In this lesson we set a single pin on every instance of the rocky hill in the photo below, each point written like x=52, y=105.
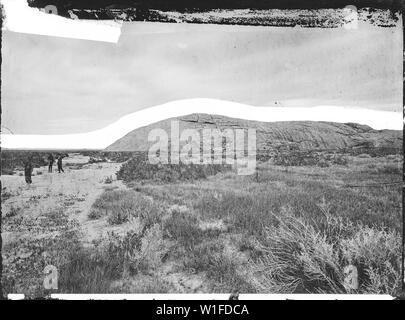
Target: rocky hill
x=299, y=135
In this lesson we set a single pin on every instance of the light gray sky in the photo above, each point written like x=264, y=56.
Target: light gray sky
x=54, y=85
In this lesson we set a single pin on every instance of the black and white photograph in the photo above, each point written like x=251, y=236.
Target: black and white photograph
x=201, y=147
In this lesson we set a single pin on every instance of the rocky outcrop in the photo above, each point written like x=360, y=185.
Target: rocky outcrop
x=302, y=135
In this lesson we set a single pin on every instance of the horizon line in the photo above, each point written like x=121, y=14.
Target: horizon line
x=102, y=138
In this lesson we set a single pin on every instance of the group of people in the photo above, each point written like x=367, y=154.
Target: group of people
x=29, y=167
x=51, y=160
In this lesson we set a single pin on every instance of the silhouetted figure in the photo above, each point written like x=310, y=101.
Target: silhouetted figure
x=60, y=164
x=51, y=160
x=28, y=168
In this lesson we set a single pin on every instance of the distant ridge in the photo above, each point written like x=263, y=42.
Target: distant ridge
x=234, y=112
x=305, y=135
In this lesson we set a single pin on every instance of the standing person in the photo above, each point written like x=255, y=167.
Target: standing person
x=28, y=168
x=60, y=163
x=51, y=160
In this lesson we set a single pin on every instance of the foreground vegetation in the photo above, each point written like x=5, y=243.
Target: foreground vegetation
x=291, y=229
x=288, y=229
x=139, y=168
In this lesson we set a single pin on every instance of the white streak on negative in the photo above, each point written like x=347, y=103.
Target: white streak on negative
x=19, y=17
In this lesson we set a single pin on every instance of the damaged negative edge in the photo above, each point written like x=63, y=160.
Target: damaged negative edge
x=19, y=17
x=254, y=13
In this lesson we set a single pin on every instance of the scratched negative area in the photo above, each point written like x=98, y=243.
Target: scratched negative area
x=253, y=13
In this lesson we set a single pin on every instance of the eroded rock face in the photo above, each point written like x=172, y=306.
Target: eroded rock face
x=270, y=136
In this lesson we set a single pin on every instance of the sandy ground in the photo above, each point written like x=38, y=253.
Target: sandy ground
x=73, y=191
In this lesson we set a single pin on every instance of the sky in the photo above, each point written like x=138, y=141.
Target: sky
x=102, y=138
x=55, y=85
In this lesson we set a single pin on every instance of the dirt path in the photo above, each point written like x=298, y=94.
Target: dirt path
x=72, y=192
x=56, y=202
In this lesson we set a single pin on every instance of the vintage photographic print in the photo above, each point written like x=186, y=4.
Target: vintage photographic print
x=201, y=147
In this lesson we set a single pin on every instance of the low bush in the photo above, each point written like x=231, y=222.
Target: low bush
x=88, y=272
x=96, y=160
x=13, y=211
x=93, y=269
x=309, y=158
x=376, y=253
x=299, y=257
x=12, y=160
x=209, y=257
x=7, y=171
x=394, y=168
x=139, y=168
x=182, y=225
x=122, y=205
x=244, y=212
x=108, y=180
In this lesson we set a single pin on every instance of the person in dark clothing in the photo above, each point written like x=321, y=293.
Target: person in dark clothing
x=60, y=164
x=28, y=168
x=51, y=160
